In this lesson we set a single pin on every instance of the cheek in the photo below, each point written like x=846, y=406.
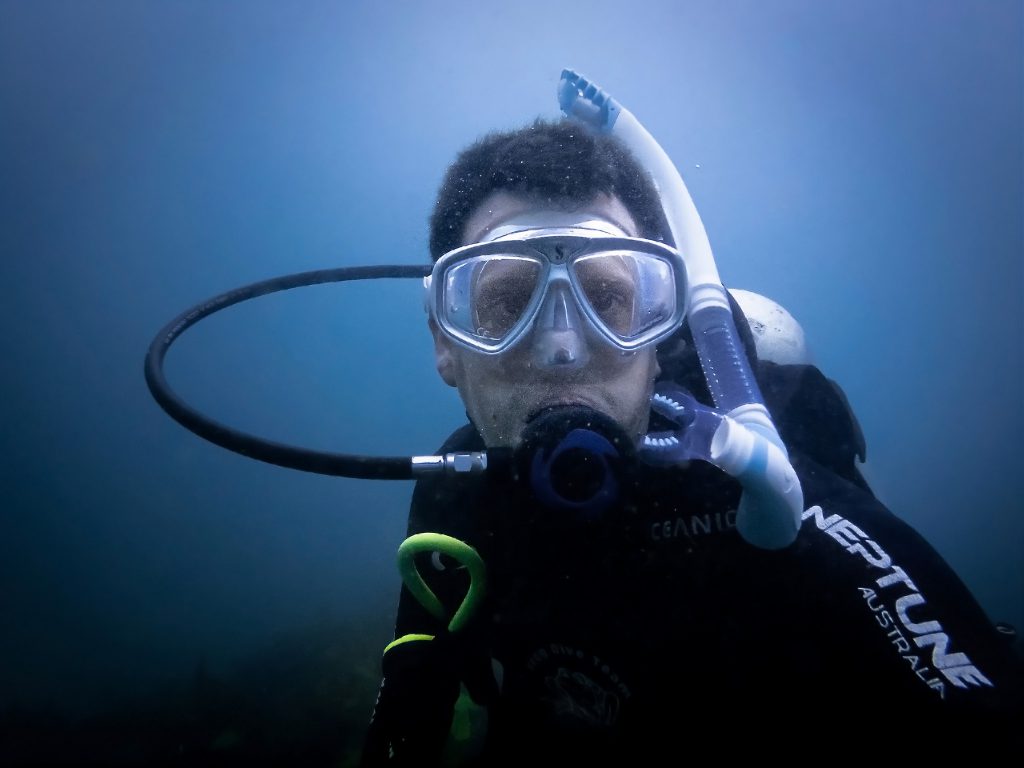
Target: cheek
x=635, y=383
x=482, y=386
x=636, y=370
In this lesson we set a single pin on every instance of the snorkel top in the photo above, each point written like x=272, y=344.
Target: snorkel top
x=746, y=443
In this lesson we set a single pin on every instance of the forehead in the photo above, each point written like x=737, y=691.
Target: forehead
x=500, y=207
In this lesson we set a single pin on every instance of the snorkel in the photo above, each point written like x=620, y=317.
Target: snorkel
x=742, y=439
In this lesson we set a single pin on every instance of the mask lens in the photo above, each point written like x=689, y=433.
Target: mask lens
x=487, y=296
x=630, y=292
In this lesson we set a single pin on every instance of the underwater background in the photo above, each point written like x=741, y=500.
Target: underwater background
x=862, y=163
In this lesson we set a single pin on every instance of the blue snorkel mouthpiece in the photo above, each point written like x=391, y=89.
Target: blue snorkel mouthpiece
x=745, y=443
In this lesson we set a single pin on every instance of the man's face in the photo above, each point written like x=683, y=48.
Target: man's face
x=502, y=392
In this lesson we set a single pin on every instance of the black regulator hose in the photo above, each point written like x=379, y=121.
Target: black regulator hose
x=324, y=463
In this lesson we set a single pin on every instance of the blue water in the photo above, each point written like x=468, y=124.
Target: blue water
x=861, y=163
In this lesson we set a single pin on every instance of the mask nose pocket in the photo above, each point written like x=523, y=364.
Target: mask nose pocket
x=558, y=337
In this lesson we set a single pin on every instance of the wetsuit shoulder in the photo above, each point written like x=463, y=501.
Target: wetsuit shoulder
x=814, y=417
x=895, y=608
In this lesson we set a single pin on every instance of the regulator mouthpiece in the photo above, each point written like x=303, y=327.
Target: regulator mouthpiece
x=574, y=458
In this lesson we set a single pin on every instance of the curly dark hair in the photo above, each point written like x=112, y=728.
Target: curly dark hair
x=553, y=162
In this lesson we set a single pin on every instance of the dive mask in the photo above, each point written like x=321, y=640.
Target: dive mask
x=572, y=282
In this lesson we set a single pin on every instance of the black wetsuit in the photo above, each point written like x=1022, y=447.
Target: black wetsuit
x=633, y=633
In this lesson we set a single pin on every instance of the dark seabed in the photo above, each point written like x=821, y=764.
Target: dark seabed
x=305, y=700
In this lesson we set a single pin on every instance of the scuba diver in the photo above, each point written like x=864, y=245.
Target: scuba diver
x=623, y=608
x=653, y=526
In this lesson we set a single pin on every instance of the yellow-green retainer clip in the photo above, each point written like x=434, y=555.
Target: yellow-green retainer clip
x=458, y=550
